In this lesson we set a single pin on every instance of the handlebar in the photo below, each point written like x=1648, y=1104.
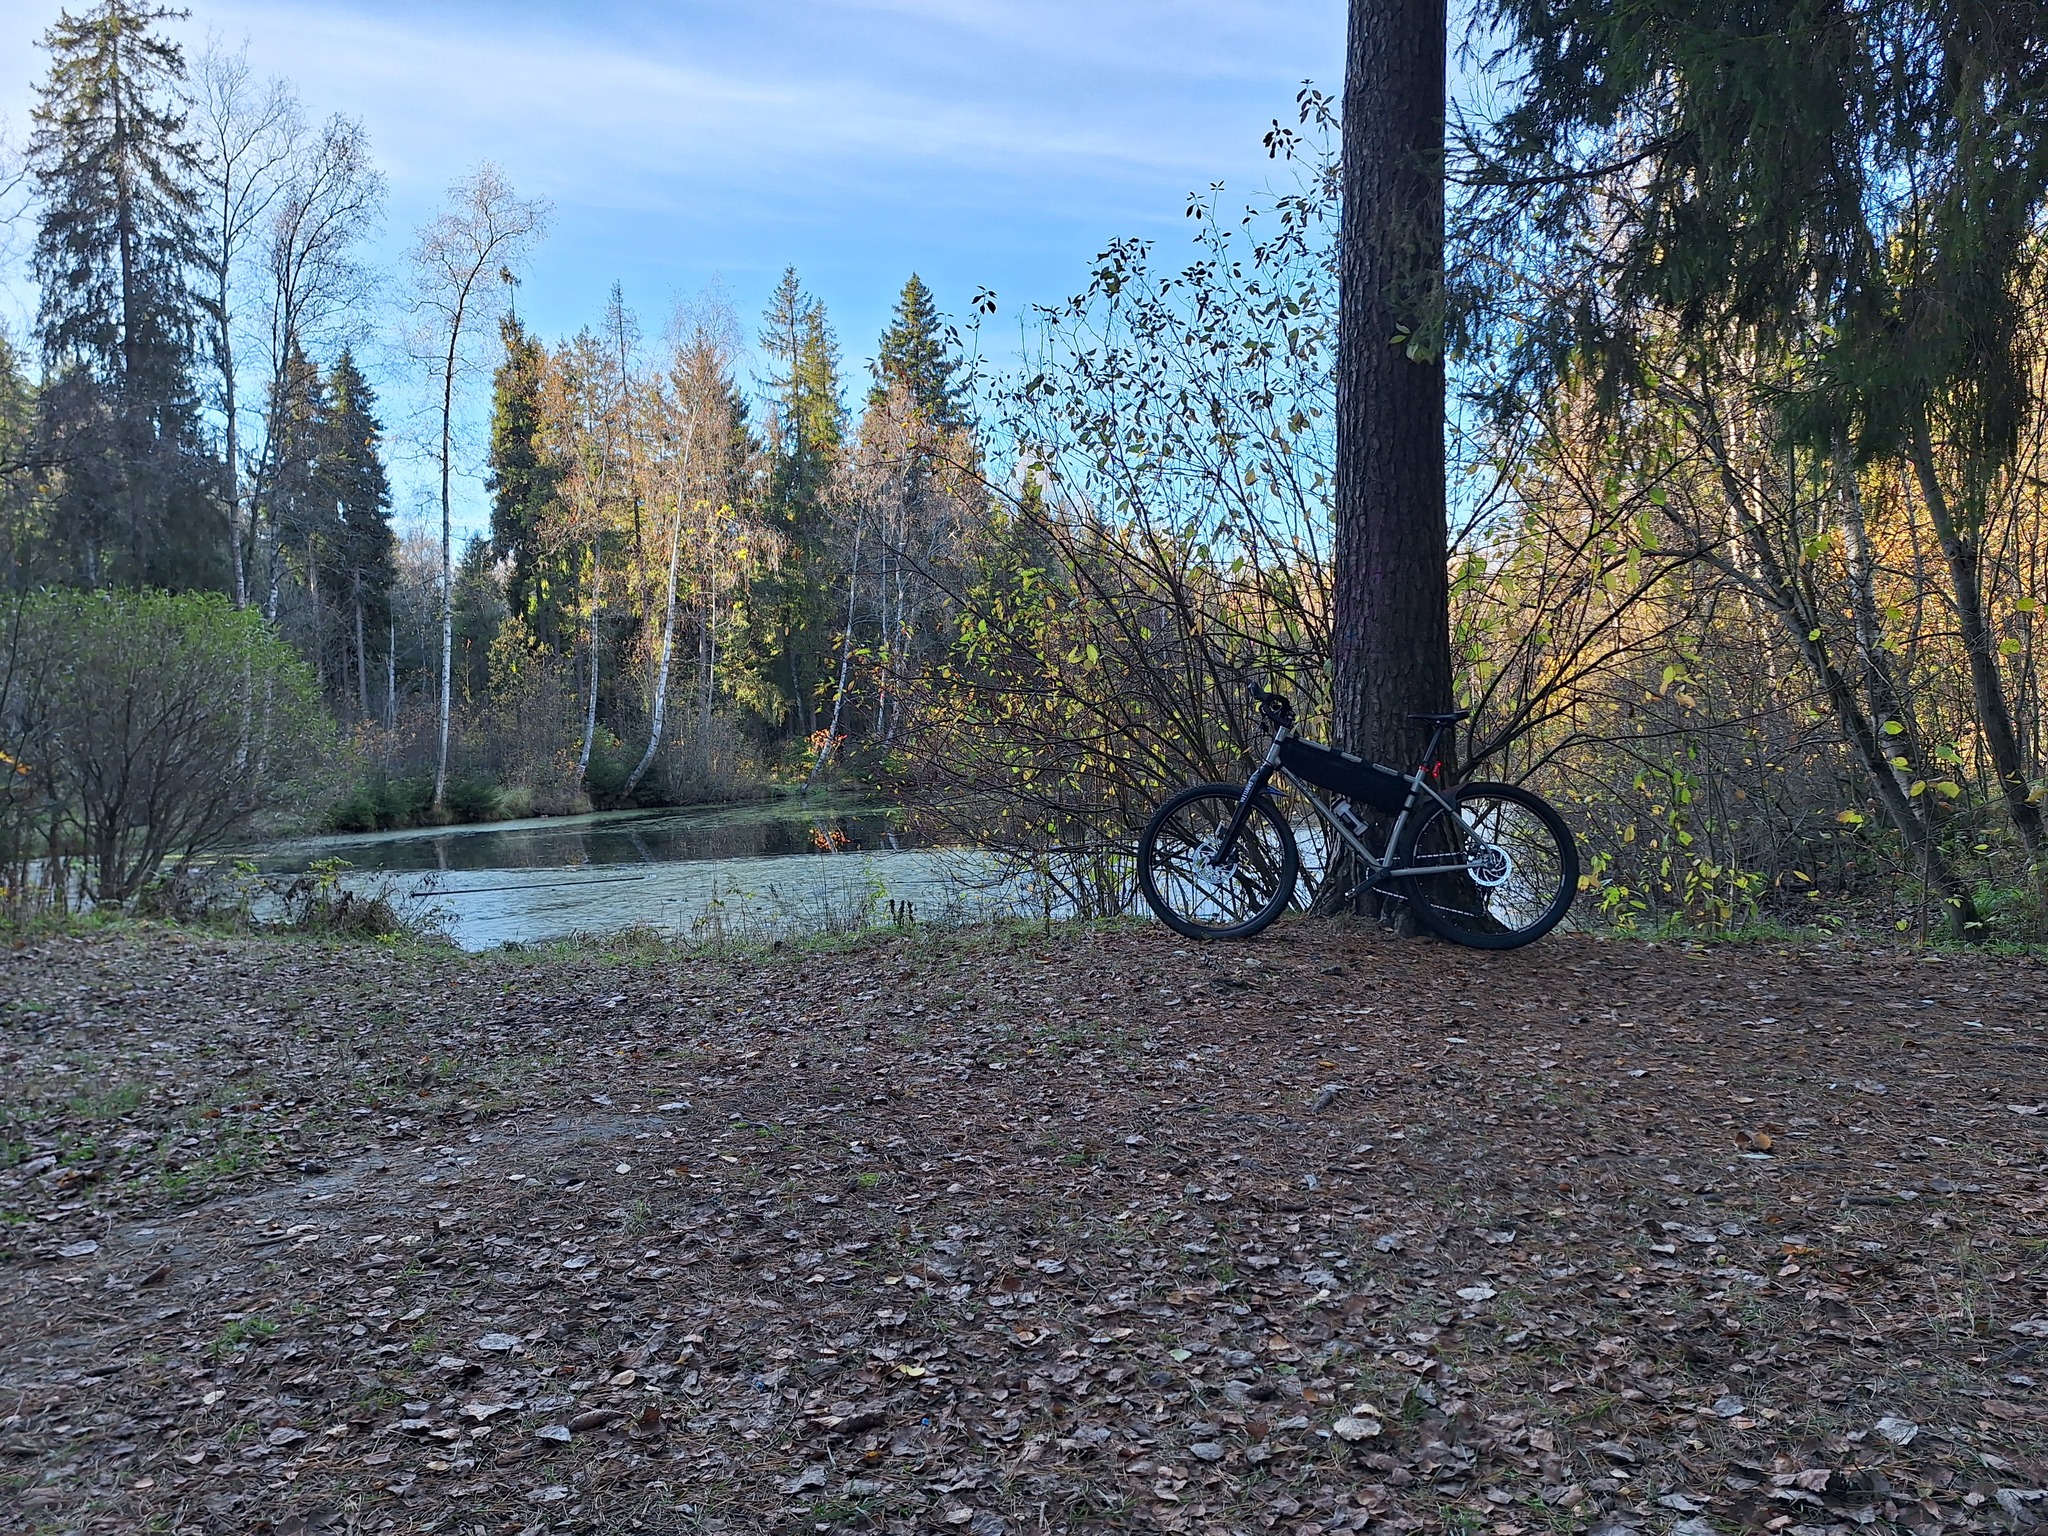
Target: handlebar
x=1276, y=710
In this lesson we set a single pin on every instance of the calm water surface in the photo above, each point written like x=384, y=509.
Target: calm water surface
x=727, y=871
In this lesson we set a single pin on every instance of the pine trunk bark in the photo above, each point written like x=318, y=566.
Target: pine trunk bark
x=1391, y=600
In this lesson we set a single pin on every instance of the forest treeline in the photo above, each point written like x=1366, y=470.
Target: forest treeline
x=1748, y=548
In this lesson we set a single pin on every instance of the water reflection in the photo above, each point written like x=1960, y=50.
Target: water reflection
x=620, y=837
x=728, y=872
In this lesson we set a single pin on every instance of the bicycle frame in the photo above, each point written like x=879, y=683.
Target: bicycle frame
x=1378, y=869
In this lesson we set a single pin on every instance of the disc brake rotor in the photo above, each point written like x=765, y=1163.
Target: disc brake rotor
x=1489, y=866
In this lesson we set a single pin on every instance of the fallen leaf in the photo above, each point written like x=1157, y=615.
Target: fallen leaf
x=813, y=1476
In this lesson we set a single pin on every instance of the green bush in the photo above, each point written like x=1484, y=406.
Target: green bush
x=611, y=761
x=358, y=813
x=146, y=727
x=471, y=800
x=404, y=802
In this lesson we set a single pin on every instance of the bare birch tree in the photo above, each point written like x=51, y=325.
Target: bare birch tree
x=674, y=467
x=249, y=134
x=330, y=201
x=456, y=261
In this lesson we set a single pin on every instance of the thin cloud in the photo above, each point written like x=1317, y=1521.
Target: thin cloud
x=996, y=142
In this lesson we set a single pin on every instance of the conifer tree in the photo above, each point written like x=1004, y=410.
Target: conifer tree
x=21, y=474
x=524, y=482
x=298, y=502
x=1861, y=188
x=789, y=629
x=352, y=470
x=114, y=248
x=920, y=352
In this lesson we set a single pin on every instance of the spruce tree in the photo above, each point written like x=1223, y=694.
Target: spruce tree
x=114, y=246
x=789, y=630
x=920, y=352
x=1862, y=192
x=21, y=474
x=352, y=472
x=298, y=504
x=523, y=483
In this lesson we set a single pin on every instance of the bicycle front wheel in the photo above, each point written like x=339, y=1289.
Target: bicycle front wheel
x=1190, y=891
x=1499, y=874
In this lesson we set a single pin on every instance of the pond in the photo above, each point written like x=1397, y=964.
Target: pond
x=744, y=872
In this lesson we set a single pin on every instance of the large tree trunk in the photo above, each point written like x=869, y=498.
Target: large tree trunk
x=1391, y=629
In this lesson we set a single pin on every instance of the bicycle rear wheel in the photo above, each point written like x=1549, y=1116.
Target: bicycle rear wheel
x=1498, y=875
x=1203, y=900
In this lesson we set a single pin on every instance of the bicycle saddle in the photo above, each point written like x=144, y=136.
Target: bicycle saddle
x=1451, y=717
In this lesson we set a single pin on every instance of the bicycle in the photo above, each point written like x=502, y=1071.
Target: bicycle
x=1490, y=866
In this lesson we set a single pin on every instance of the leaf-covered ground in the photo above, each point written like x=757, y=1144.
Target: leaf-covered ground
x=1091, y=1232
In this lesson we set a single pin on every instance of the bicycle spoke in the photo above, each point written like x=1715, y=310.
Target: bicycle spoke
x=1502, y=871
x=1194, y=883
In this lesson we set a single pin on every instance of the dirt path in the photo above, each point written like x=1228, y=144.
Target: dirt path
x=1091, y=1233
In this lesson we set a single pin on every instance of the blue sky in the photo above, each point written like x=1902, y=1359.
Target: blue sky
x=713, y=142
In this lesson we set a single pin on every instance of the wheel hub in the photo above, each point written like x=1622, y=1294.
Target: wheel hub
x=1489, y=866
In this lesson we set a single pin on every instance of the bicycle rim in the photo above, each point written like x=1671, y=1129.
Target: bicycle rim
x=1194, y=896
x=1509, y=869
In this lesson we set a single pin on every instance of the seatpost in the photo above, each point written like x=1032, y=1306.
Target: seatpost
x=1429, y=752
